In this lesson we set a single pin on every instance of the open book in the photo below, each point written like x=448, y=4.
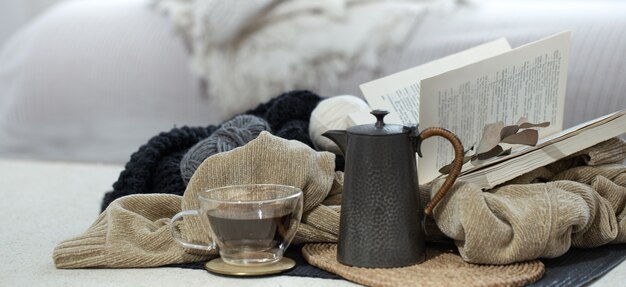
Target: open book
x=547, y=150
x=487, y=84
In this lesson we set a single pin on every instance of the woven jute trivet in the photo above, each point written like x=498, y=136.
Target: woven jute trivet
x=441, y=268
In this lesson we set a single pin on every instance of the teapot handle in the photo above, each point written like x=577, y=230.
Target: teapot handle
x=456, y=168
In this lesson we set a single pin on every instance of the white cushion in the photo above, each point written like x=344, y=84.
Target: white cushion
x=93, y=80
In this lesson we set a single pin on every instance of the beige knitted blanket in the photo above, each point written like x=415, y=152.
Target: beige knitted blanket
x=574, y=202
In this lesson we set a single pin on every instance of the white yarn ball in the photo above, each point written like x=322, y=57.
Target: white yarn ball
x=332, y=114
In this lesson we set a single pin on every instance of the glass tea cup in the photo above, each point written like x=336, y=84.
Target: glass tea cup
x=249, y=224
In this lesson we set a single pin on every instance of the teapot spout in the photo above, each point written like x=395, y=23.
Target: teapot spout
x=340, y=137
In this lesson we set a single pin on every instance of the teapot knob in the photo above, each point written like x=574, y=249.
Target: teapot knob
x=379, y=114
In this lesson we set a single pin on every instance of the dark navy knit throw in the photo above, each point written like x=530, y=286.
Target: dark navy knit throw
x=155, y=167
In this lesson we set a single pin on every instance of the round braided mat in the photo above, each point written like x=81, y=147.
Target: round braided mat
x=441, y=268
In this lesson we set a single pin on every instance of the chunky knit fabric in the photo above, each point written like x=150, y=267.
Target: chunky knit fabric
x=155, y=167
x=332, y=114
x=134, y=230
x=580, y=205
x=296, y=130
x=288, y=107
x=234, y=133
x=289, y=116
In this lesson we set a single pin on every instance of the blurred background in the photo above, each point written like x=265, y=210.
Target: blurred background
x=92, y=80
x=15, y=14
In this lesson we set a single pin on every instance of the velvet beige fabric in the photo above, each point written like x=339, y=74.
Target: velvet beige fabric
x=266, y=159
x=578, y=202
x=134, y=230
x=576, y=205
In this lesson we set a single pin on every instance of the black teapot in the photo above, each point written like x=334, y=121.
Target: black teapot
x=381, y=223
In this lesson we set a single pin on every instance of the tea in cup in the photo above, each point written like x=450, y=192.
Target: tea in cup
x=249, y=224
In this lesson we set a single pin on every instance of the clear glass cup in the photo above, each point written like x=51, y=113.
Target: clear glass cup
x=249, y=224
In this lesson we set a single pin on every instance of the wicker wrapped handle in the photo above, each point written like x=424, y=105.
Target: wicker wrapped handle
x=456, y=168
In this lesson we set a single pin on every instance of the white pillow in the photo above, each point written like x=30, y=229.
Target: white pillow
x=93, y=80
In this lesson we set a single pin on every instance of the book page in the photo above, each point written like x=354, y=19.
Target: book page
x=551, y=139
x=399, y=92
x=553, y=148
x=528, y=81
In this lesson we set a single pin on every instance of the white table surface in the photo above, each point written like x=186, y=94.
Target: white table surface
x=43, y=203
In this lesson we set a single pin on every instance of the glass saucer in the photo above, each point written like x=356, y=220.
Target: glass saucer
x=218, y=266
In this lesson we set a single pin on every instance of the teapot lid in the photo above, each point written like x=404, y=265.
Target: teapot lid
x=379, y=128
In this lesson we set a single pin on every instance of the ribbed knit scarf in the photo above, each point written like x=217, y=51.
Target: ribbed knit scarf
x=578, y=202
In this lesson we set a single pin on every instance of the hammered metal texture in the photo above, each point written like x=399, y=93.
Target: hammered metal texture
x=380, y=220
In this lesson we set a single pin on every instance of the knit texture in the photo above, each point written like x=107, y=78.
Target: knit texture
x=581, y=206
x=155, y=167
x=134, y=230
x=267, y=159
x=332, y=114
x=291, y=106
x=247, y=51
x=289, y=116
x=234, y=133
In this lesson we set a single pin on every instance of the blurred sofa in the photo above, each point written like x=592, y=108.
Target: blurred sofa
x=93, y=80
